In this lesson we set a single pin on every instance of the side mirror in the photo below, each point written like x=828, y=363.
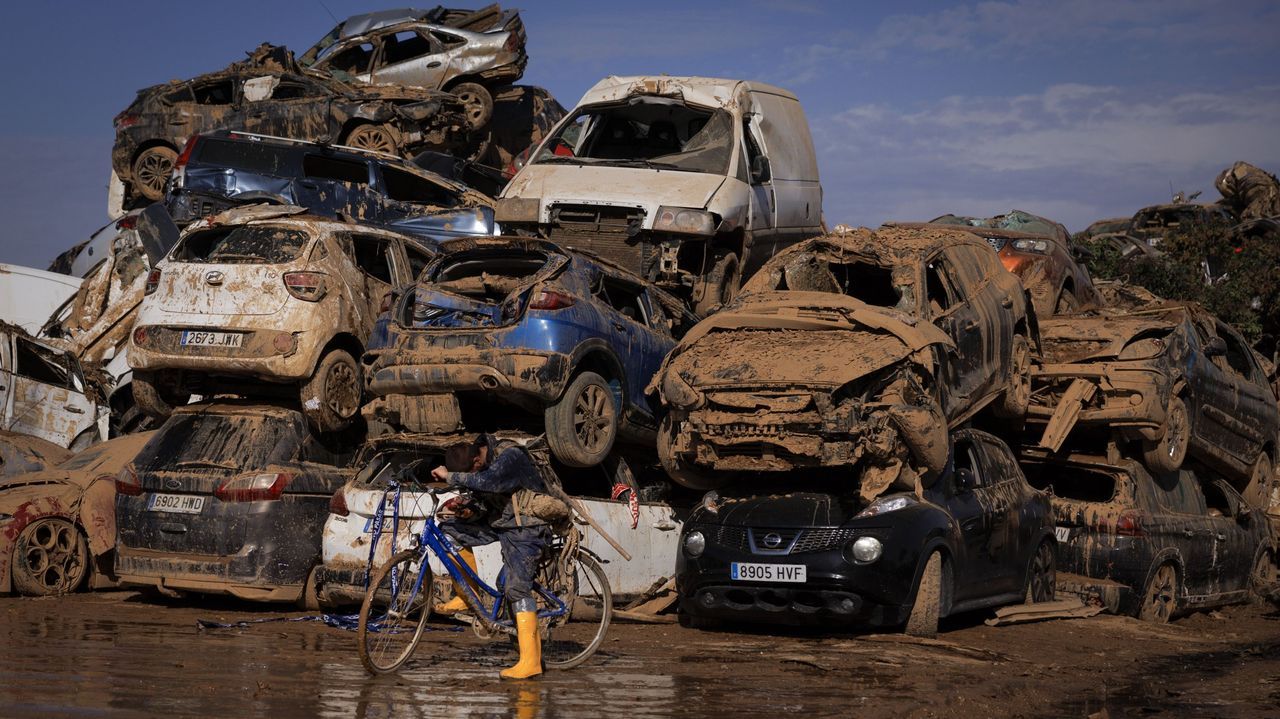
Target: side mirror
x=761, y=172
x=1215, y=347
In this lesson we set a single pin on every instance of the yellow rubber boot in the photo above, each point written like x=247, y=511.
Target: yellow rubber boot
x=530, y=664
x=458, y=604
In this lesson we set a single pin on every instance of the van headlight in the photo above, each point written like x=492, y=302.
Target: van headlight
x=694, y=544
x=863, y=550
x=685, y=220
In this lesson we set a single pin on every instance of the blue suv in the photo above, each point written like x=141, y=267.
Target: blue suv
x=561, y=334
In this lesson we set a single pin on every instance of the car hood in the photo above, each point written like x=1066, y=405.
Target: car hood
x=826, y=340
x=618, y=186
x=795, y=509
x=1079, y=339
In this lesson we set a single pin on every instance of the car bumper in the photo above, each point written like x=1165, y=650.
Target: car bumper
x=1135, y=398
x=266, y=353
x=245, y=575
x=541, y=374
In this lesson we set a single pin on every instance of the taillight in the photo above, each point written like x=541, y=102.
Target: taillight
x=127, y=482
x=307, y=286
x=253, y=487
x=127, y=222
x=1128, y=524
x=123, y=121
x=338, y=503
x=140, y=336
x=153, y=281
x=550, y=300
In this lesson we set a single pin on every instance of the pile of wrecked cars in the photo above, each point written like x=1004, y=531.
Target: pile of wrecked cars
x=784, y=424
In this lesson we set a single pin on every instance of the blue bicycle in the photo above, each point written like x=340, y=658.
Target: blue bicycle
x=570, y=585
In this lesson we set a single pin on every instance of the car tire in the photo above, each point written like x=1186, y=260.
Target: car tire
x=1016, y=398
x=1160, y=595
x=152, y=169
x=478, y=102
x=926, y=607
x=370, y=136
x=583, y=425
x=148, y=397
x=1043, y=575
x=309, y=600
x=1258, y=492
x=331, y=398
x=720, y=285
x=50, y=557
x=1067, y=302
x=1264, y=580
x=682, y=473
x=131, y=420
x=1166, y=454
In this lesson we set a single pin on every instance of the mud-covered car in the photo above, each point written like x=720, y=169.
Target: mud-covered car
x=1152, y=546
x=1107, y=226
x=44, y=391
x=264, y=300
x=226, y=169
x=228, y=498
x=1170, y=377
x=978, y=537
x=465, y=52
x=651, y=537
x=57, y=525
x=1039, y=251
x=563, y=335
x=855, y=349
x=269, y=94
x=1151, y=224
x=22, y=453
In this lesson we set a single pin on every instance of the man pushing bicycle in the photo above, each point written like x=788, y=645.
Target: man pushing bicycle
x=511, y=489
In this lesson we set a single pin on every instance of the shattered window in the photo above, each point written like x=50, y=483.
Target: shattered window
x=1179, y=492
x=354, y=60
x=371, y=257
x=1238, y=356
x=938, y=287
x=42, y=364
x=1072, y=482
x=221, y=92
x=287, y=90
x=332, y=168
x=646, y=132
x=242, y=244
x=407, y=187
x=402, y=46
x=626, y=298
x=488, y=275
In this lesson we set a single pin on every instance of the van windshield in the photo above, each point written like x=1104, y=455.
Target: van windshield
x=645, y=132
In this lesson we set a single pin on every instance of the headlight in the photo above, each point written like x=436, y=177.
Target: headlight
x=678, y=393
x=1040, y=247
x=694, y=544
x=518, y=209
x=1142, y=349
x=864, y=550
x=684, y=220
x=885, y=505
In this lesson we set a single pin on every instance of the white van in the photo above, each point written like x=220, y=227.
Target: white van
x=692, y=182
x=43, y=392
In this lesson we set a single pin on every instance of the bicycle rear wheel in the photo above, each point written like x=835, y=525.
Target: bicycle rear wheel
x=394, y=612
x=570, y=640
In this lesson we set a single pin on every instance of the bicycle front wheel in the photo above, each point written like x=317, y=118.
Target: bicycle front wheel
x=570, y=640
x=394, y=612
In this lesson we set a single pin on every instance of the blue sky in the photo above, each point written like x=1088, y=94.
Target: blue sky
x=1074, y=110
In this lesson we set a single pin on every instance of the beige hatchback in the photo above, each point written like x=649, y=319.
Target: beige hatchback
x=267, y=301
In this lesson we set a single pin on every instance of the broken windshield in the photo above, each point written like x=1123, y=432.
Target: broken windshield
x=646, y=132
x=242, y=244
x=310, y=56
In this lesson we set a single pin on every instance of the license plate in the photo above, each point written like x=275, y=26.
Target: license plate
x=752, y=572
x=198, y=338
x=183, y=503
x=1062, y=534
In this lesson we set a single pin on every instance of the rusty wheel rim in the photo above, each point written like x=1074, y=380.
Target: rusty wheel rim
x=593, y=418
x=1161, y=595
x=51, y=554
x=153, y=170
x=341, y=390
x=370, y=137
x=474, y=107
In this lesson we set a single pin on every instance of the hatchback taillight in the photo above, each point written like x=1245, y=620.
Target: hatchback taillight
x=307, y=286
x=180, y=164
x=1128, y=524
x=124, y=120
x=153, y=281
x=550, y=300
x=127, y=482
x=253, y=487
x=338, y=503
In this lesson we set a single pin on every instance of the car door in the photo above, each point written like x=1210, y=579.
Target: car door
x=374, y=257
x=1233, y=543
x=1185, y=529
x=1014, y=522
x=963, y=369
x=6, y=378
x=287, y=106
x=1215, y=427
x=411, y=57
x=620, y=302
x=976, y=267
x=764, y=205
x=48, y=394
x=976, y=566
x=1255, y=412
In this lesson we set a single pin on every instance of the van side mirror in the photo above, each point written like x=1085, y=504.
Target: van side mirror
x=761, y=172
x=1215, y=347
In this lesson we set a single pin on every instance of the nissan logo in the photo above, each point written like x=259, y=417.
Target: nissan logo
x=214, y=278
x=772, y=540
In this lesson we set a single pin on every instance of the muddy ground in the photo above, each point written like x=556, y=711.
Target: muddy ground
x=118, y=654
